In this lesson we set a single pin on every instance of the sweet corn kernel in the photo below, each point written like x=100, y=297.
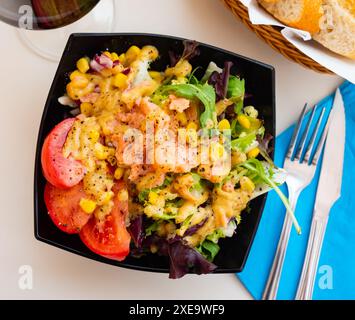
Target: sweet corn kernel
x=123, y=195
x=216, y=151
x=83, y=65
x=105, y=198
x=78, y=79
x=224, y=125
x=253, y=153
x=86, y=108
x=244, y=121
x=120, y=81
x=153, y=197
x=157, y=76
x=101, y=165
x=118, y=173
x=94, y=136
x=122, y=58
x=192, y=125
x=72, y=91
x=87, y=205
x=114, y=56
x=132, y=54
x=101, y=152
x=149, y=52
x=108, y=54
x=246, y=184
x=75, y=74
x=181, y=117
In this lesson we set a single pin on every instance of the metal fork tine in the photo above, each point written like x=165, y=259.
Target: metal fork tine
x=296, y=133
x=313, y=138
x=305, y=135
x=321, y=142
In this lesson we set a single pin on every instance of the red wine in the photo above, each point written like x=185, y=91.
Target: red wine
x=44, y=14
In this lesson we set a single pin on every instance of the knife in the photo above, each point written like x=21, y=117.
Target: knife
x=328, y=192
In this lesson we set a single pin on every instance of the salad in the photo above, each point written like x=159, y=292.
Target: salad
x=156, y=162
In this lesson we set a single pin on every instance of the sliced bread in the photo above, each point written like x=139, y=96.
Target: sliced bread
x=337, y=27
x=300, y=14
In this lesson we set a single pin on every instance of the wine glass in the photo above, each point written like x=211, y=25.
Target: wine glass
x=45, y=25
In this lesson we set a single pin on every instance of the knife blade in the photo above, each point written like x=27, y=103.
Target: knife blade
x=328, y=192
x=329, y=185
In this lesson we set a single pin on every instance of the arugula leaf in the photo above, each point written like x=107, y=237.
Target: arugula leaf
x=203, y=92
x=235, y=92
x=192, y=78
x=258, y=173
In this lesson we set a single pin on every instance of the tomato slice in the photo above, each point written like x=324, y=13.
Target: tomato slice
x=64, y=209
x=110, y=238
x=61, y=172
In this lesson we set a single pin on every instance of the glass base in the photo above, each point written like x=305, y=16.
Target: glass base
x=50, y=44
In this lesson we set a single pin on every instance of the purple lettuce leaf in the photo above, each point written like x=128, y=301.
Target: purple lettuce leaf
x=190, y=51
x=136, y=230
x=265, y=142
x=182, y=257
x=220, y=80
x=174, y=58
x=190, y=231
x=265, y=149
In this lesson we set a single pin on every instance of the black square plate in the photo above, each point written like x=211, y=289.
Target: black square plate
x=260, y=87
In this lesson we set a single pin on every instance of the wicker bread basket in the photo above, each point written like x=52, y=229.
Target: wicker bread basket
x=273, y=37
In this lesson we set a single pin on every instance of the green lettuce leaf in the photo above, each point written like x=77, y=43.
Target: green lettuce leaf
x=152, y=228
x=208, y=249
x=235, y=92
x=243, y=143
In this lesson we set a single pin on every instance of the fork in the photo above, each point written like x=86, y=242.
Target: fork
x=300, y=171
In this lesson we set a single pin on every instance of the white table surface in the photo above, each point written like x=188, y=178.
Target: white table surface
x=24, y=83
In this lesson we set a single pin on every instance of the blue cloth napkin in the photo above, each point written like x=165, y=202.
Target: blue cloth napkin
x=336, y=269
